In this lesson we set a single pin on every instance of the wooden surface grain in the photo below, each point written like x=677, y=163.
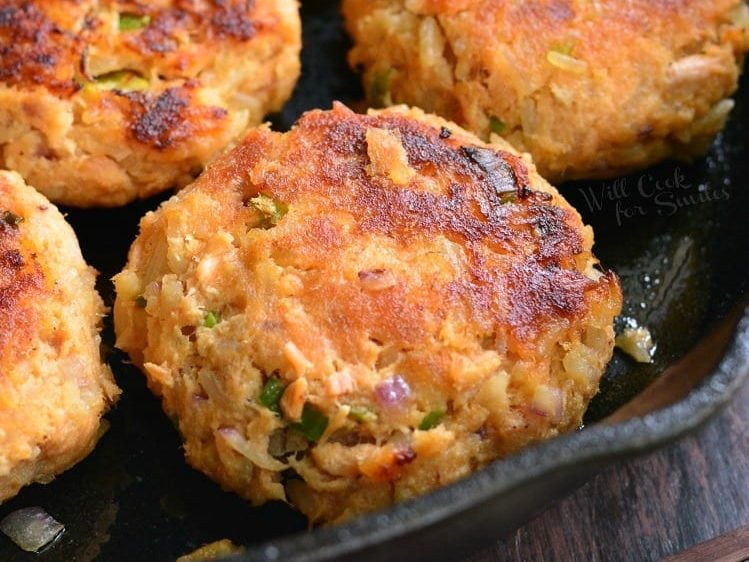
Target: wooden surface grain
x=729, y=547
x=648, y=508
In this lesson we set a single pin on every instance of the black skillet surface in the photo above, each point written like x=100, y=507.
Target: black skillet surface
x=677, y=234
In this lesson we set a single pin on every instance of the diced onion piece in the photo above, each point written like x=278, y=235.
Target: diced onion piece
x=581, y=363
x=715, y=118
x=254, y=454
x=376, y=279
x=548, y=402
x=637, y=343
x=214, y=388
x=31, y=528
x=694, y=68
x=392, y=392
x=339, y=382
x=566, y=62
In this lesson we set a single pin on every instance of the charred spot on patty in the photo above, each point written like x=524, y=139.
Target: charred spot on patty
x=161, y=121
x=20, y=278
x=223, y=19
x=170, y=118
x=232, y=19
x=34, y=50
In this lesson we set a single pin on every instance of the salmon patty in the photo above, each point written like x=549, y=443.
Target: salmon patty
x=363, y=309
x=590, y=89
x=104, y=102
x=54, y=386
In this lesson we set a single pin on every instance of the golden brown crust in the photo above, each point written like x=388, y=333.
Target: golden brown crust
x=588, y=88
x=54, y=387
x=35, y=51
x=539, y=236
x=47, y=42
x=142, y=94
x=353, y=260
x=21, y=283
x=169, y=118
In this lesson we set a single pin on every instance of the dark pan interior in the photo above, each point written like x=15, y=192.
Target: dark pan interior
x=677, y=235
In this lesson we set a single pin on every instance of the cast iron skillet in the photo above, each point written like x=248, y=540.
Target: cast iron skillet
x=678, y=236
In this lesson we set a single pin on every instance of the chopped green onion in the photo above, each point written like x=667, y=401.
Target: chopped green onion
x=125, y=80
x=12, y=219
x=270, y=397
x=211, y=319
x=432, y=419
x=272, y=210
x=131, y=22
x=379, y=89
x=496, y=125
x=362, y=414
x=313, y=423
x=508, y=196
x=140, y=301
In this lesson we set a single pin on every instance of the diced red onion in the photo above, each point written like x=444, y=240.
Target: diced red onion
x=31, y=528
x=392, y=392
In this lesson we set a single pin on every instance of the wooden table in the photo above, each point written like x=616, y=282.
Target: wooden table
x=650, y=507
